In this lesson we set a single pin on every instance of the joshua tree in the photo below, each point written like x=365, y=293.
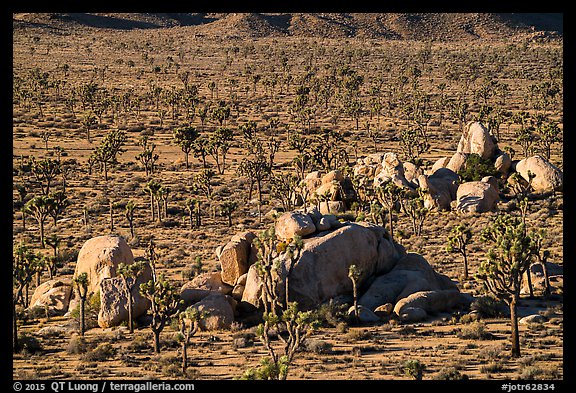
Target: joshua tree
x=299, y=325
x=152, y=188
x=40, y=207
x=53, y=241
x=45, y=171
x=81, y=282
x=218, y=146
x=147, y=157
x=501, y=273
x=390, y=196
x=193, y=207
x=129, y=274
x=189, y=322
x=414, y=208
x=26, y=265
x=227, y=208
x=165, y=303
x=22, y=192
x=88, y=121
x=129, y=213
x=458, y=239
x=59, y=203
x=185, y=138
x=542, y=256
x=106, y=153
x=354, y=274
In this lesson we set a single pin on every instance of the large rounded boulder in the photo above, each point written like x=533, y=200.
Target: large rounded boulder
x=100, y=256
x=547, y=176
x=477, y=139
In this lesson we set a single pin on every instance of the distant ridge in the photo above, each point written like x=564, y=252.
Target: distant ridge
x=413, y=26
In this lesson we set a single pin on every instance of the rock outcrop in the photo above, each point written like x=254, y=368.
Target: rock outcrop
x=100, y=256
x=547, y=178
x=477, y=196
x=204, y=285
x=53, y=295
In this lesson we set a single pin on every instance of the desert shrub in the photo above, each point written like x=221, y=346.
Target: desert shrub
x=537, y=373
x=413, y=368
x=475, y=168
x=102, y=352
x=243, y=340
x=29, y=344
x=139, y=343
x=358, y=335
x=317, y=346
x=406, y=330
x=92, y=308
x=492, y=367
x=474, y=331
x=330, y=314
x=450, y=374
x=76, y=345
x=487, y=306
x=468, y=318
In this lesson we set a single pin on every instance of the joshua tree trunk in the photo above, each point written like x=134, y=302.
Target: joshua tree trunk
x=465, y=262
x=23, y=220
x=514, y=324
x=529, y=281
x=15, y=343
x=184, y=356
x=156, y=340
x=42, y=233
x=152, y=205
x=82, y=322
x=130, y=321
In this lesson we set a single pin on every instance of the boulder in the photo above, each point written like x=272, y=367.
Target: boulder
x=548, y=176
x=331, y=176
x=534, y=318
x=294, y=223
x=364, y=315
x=313, y=180
x=502, y=162
x=477, y=197
x=411, y=171
x=100, y=256
x=363, y=170
x=332, y=207
x=54, y=294
x=456, y=162
x=234, y=257
x=219, y=312
x=321, y=272
x=442, y=186
x=332, y=190
x=431, y=302
x=555, y=273
x=203, y=285
x=477, y=139
x=237, y=292
x=412, y=273
x=374, y=158
x=384, y=310
x=413, y=314
x=391, y=165
x=114, y=302
x=440, y=163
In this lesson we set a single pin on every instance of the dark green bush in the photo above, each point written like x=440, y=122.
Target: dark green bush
x=475, y=168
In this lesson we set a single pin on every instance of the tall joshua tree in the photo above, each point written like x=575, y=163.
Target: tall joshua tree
x=81, y=282
x=457, y=241
x=40, y=208
x=501, y=273
x=106, y=153
x=129, y=274
x=185, y=138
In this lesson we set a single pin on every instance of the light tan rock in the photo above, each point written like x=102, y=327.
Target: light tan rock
x=548, y=176
x=332, y=207
x=294, y=223
x=384, y=310
x=432, y=302
x=219, y=312
x=477, y=139
x=100, y=256
x=440, y=163
x=502, y=162
x=412, y=273
x=234, y=257
x=331, y=176
x=202, y=286
x=114, y=302
x=476, y=197
x=54, y=294
x=456, y=162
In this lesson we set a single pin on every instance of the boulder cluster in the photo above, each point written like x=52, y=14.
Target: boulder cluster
x=442, y=182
